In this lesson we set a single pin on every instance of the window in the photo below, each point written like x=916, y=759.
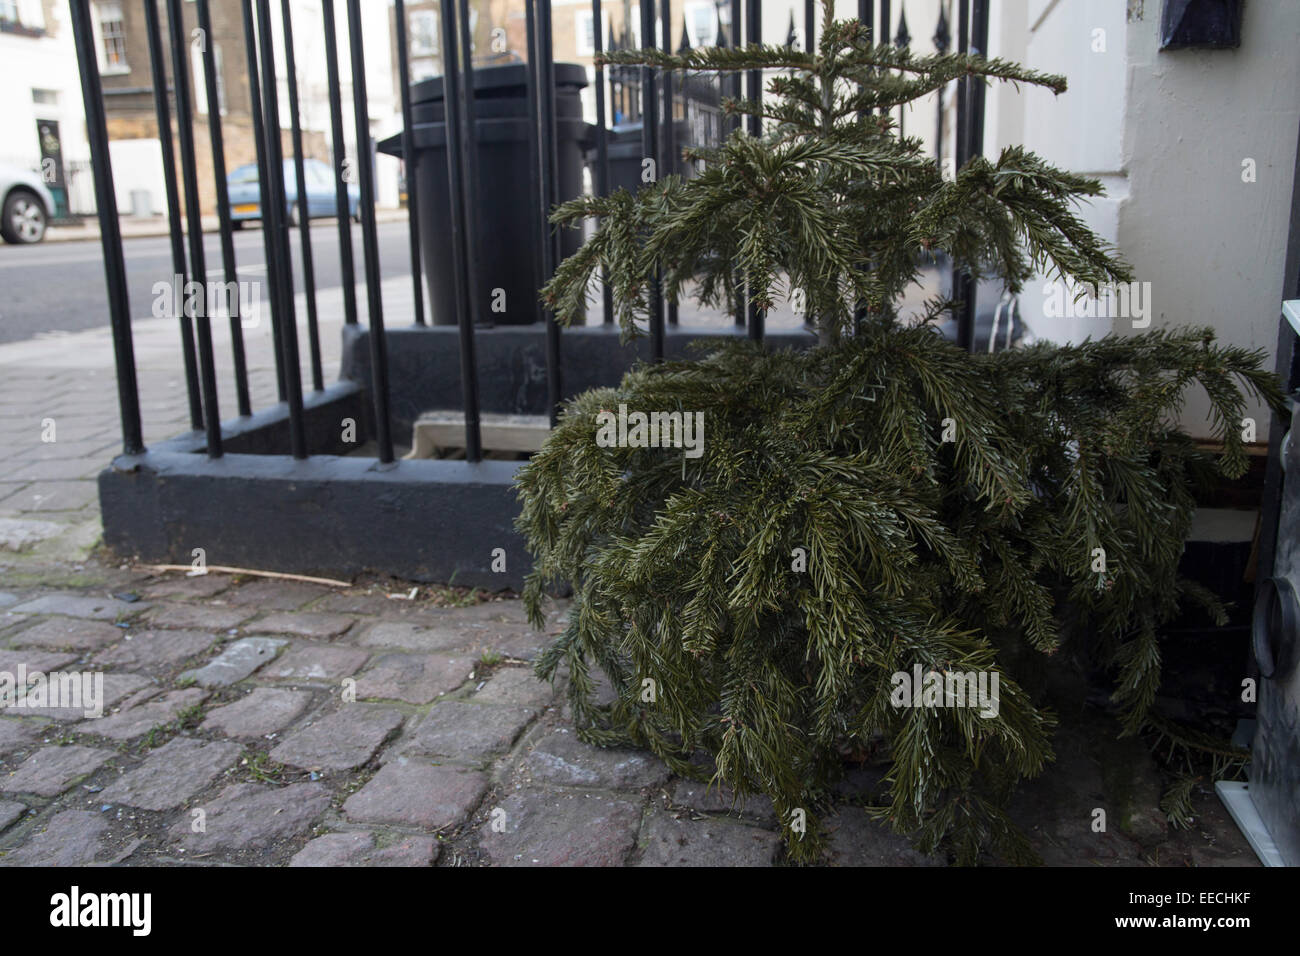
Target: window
x=584, y=37
x=45, y=97
x=422, y=32
x=702, y=24
x=112, y=36
x=23, y=17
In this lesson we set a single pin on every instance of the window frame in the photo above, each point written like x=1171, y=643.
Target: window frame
x=106, y=67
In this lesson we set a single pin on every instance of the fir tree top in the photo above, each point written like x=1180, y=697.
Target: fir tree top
x=831, y=200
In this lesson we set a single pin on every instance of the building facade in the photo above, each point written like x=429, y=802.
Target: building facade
x=41, y=114
x=127, y=77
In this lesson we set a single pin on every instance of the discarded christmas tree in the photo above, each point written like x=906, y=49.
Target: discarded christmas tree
x=882, y=506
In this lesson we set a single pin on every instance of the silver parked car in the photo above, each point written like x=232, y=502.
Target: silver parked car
x=25, y=205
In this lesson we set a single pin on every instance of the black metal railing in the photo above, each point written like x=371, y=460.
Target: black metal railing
x=655, y=99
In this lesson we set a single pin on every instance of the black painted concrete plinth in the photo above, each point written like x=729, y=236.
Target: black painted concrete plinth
x=258, y=507
x=325, y=417
x=424, y=363
x=436, y=521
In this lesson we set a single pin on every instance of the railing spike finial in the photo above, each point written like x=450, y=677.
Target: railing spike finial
x=942, y=35
x=902, y=38
x=685, y=43
x=792, y=34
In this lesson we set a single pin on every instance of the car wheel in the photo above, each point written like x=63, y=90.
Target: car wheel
x=23, y=217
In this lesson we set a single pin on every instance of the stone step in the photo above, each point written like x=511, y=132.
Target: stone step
x=436, y=431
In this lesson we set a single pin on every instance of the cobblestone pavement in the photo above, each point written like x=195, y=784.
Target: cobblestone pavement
x=274, y=722
x=253, y=721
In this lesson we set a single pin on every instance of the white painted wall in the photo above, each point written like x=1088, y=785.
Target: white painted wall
x=137, y=164
x=1212, y=245
x=1166, y=133
x=47, y=63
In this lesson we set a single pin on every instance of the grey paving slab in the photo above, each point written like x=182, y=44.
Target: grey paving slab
x=237, y=660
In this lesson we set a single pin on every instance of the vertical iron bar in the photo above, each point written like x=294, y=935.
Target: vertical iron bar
x=467, y=137
x=536, y=193
x=942, y=39
x=369, y=236
x=732, y=124
x=668, y=158
x=223, y=209
x=474, y=311
x=275, y=211
x=670, y=118
x=902, y=40
x=119, y=306
x=175, y=230
x=867, y=17
x=302, y=200
x=882, y=37
x=409, y=158
x=550, y=125
x=754, y=34
x=263, y=192
x=546, y=148
x=809, y=24
x=754, y=30
x=452, y=101
x=963, y=287
x=198, y=265
x=963, y=105
x=602, y=147
x=342, y=201
x=650, y=149
x=978, y=47
x=737, y=40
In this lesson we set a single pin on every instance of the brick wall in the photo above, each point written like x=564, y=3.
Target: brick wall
x=237, y=136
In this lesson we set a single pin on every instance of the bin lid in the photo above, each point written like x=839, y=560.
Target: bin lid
x=500, y=78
